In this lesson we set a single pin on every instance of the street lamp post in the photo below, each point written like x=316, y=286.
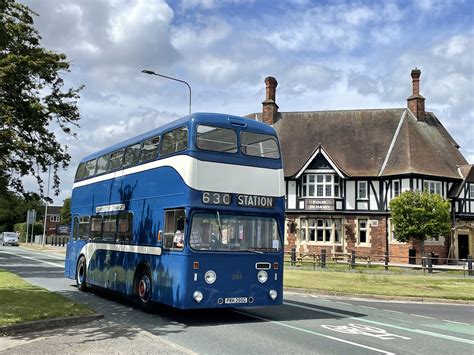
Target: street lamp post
x=43, y=240
x=169, y=77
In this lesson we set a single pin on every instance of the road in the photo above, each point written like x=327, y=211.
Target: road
x=305, y=324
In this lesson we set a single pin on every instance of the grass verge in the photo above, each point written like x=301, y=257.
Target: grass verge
x=381, y=285
x=22, y=302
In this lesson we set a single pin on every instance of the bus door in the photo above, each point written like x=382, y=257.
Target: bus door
x=79, y=236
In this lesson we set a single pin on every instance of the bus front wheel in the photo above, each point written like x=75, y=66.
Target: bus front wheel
x=143, y=288
x=81, y=274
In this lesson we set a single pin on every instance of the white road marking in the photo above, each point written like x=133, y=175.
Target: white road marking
x=452, y=321
x=367, y=330
x=44, y=254
x=34, y=259
x=361, y=319
x=419, y=316
x=389, y=310
x=367, y=307
x=316, y=333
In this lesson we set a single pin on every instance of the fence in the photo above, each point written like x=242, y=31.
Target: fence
x=56, y=240
x=429, y=264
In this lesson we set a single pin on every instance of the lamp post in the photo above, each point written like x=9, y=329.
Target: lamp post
x=169, y=77
x=43, y=240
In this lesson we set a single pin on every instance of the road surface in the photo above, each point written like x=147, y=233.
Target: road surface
x=305, y=324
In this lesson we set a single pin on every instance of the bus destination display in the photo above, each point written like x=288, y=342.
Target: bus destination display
x=216, y=198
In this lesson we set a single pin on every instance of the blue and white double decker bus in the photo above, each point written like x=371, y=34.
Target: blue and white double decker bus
x=190, y=215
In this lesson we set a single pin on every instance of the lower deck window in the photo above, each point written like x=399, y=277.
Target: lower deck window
x=174, y=229
x=109, y=228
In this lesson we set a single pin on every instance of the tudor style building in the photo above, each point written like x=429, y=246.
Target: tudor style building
x=342, y=168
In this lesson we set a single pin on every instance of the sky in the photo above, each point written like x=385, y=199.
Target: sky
x=325, y=55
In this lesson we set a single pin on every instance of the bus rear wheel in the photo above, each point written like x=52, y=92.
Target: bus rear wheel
x=81, y=274
x=143, y=289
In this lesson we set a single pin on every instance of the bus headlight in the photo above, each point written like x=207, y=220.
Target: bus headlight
x=273, y=294
x=197, y=295
x=210, y=277
x=262, y=276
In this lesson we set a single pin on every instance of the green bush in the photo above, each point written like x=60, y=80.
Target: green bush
x=21, y=227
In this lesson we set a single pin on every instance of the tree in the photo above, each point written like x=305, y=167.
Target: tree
x=420, y=215
x=33, y=102
x=66, y=212
x=14, y=207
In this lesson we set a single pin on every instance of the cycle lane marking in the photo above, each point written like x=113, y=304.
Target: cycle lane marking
x=360, y=319
x=316, y=333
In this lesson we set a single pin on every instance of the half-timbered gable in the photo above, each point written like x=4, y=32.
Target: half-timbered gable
x=342, y=169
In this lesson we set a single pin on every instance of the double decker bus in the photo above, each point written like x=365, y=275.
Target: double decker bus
x=190, y=215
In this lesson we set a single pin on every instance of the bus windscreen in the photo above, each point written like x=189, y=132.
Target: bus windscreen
x=225, y=232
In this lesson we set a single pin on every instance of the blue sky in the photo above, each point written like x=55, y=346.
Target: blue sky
x=324, y=54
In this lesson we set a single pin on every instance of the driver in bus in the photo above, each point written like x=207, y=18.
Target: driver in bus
x=178, y=240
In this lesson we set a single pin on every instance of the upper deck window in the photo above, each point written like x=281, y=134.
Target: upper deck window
x=260, y=145
x=216, y=139
x=102, y=163
x=174, y=141
x=132, y=154
x=80, y=171
x=150, y=149
x=115, y=160
x=89, y=168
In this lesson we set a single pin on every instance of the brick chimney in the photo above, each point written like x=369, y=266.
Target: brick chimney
x=270, y=108
x=416, y=102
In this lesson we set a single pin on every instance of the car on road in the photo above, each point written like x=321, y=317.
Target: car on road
x=8, y=238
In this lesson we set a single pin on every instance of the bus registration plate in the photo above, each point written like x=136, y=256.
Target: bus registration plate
x=233, y=300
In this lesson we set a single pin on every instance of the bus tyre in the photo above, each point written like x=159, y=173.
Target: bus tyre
x=81, y=274
x=143, y=289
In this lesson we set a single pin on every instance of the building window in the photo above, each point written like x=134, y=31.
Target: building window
x=396, y=188
x=321, y=230
x=54, y=218
x=321, y=185
x=362, y=190
x=472, y=190
x=362, y=231
x=433, y=187
x=337, y=231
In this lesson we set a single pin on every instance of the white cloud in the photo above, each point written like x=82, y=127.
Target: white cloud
x=190, y=38
x=128, y=19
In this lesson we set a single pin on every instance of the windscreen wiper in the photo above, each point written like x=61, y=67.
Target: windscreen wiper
x=219, y=225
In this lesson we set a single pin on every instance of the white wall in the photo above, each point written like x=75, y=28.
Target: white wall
x=350, y=195
x=291, y=194
x=373, y=201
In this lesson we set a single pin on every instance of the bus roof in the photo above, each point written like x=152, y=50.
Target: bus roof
x=220, y=119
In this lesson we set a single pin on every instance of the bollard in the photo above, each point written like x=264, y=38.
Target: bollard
x=293, y=256
x=323, y=258
x=385, y=261
x=63, y=241
x=353, y=260
x=430, y=265
x=314, y=261
x=469, y=266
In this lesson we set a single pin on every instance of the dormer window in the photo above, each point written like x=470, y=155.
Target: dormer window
x=321, y=185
